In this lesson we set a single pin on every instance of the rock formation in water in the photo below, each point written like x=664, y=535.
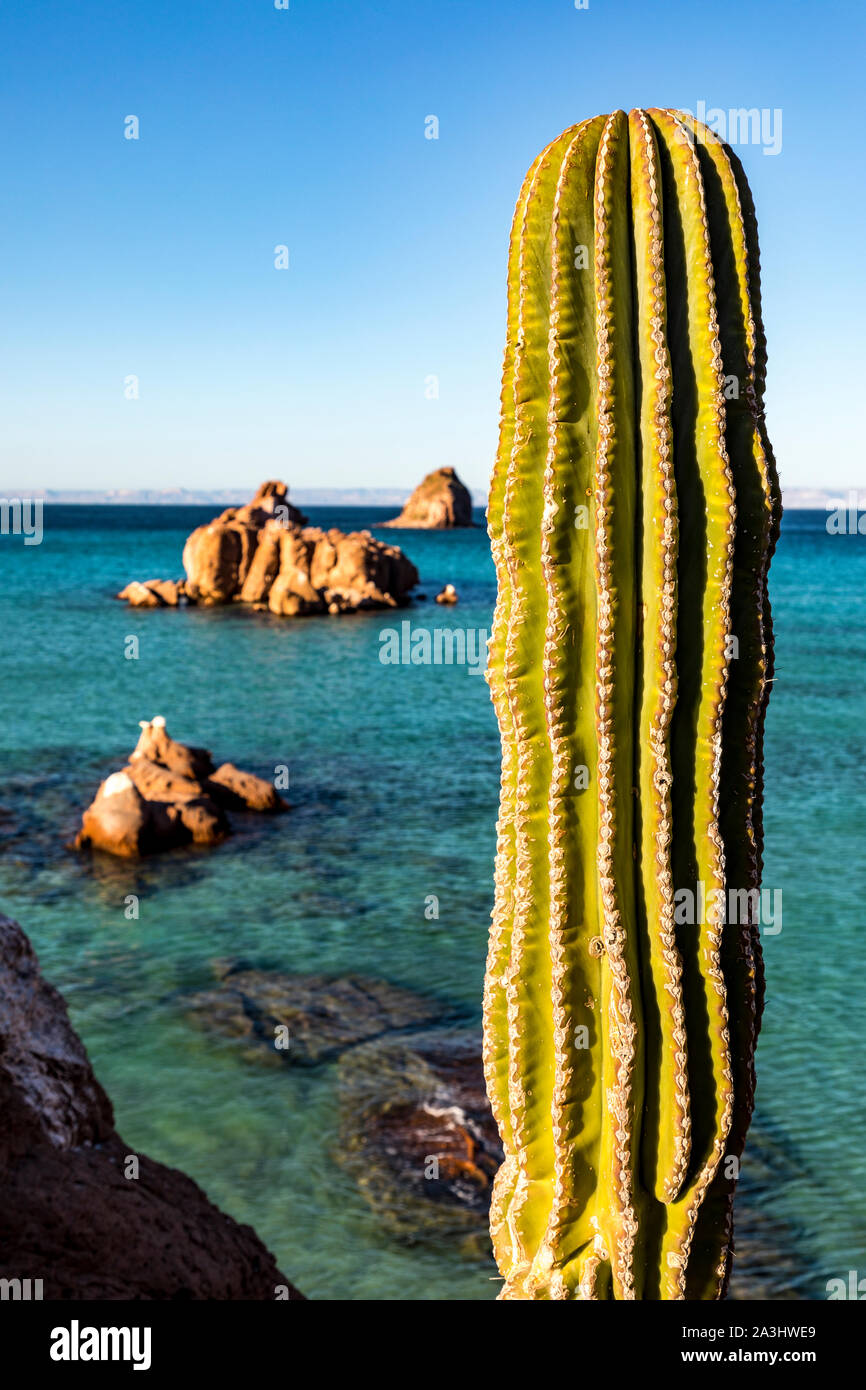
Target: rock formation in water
x=418, y=1135
x=170, y=795
x=303, y=1020
x=439, y=503
x=265, y=555
x=416, y=1130
x=155, y=593
x=448, y=595
x=79, y=1209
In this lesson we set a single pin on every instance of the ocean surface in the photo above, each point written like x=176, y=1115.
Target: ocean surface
x=394, y=784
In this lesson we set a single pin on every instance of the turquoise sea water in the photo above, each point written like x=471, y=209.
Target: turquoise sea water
x=394, y=783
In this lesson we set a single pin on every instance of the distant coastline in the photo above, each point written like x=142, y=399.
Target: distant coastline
x=794, y=498
x=222, y=497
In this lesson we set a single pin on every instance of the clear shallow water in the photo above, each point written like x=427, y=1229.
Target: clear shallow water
x=394, y=777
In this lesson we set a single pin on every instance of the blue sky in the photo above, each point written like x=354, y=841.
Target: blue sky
x=305, y=127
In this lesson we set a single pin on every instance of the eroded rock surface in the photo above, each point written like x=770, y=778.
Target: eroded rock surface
x=69, y=1215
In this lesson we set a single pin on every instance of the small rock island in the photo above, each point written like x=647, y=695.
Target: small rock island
x=265, y=555
x=169, y=795
x=440, y=503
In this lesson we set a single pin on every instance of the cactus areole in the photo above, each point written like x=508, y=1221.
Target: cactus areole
x=633, y=513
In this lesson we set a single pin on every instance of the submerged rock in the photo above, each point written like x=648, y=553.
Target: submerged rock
x=79, y=1209
x=265, y=555
x=439, y=503
x=169, y=795
x=306, y=1019
x=417, y=1133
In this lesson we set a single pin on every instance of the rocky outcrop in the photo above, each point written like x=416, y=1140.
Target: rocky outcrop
x=417, y=1133
x=169, y=795
x=306, y=1019
x=217, y=557
x=265, y=555
x=155, y=593
x=448, y=595
x=79, y=1209
x=439, y=503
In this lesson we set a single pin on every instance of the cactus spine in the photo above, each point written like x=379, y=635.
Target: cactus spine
x=633, y=513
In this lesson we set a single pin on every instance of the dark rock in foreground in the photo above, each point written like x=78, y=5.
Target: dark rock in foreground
x=439, y=503
x=68, y=1214
x=417, y=1133
x=169, y=795
x=306, y=1019
x=266, y=556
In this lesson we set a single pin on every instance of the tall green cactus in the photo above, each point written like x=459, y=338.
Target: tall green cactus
x=633, y=514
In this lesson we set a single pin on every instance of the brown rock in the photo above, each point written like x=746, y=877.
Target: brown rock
x=118, y=821
x=262, y=554
x=218, y=557
x=348, y=572
x=154, y=593
x=448, y=595
x=265, y=565
x=123, y=821
x=325, y=559
x=167, y=796
x=244, y=791
x=438, y=503
x=213, y=557
x=292, y=592
x=271, y=502
x=204, y=820
x=155, y=745
x=171, y=591
x=139, y=595
x=68, y=1213
x=157, y=783
x=249, y=536
x=373, y=573
x=406, y=1101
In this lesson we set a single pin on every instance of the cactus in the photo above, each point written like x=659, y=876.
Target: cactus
x=633, y=513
